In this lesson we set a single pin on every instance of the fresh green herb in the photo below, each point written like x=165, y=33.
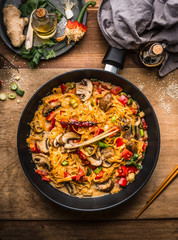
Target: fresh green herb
x=11, y=96
x=98, y=169
x=103, y=145
x=51, y=42
x=2, y=96
x=88, y=172
x=64, y=163
x=20, y=92
x=14, y=86
x=27, y=7
x=51, y=54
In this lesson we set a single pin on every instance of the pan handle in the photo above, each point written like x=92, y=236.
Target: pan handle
x=114, y=59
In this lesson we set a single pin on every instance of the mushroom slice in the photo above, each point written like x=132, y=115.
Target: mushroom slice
x=107, y=153
x=106, y=164
x=84, y=89
x=44, y=144
x=50, y=107
x=105, y=187
x=41, y=160
x=105, y=102
x=37, y=126
x=70, y=188
x=94, y=162
x=60, y=140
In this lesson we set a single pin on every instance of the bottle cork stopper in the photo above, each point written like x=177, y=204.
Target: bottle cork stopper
x=157, y=49
x=41, y=12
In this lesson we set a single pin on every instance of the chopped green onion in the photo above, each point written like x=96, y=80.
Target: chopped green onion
x=73, y=103
x=134, y=157
x=88, y=172
x=123, y=93
x=130, y=101
x=113, y=119
x=141, y=132
x=2, y=96
x=12, y=96
x=138, y=166
x=14, y=86
x=103, y=145
x=20, y=92
x=97, y=170
x=64, y=163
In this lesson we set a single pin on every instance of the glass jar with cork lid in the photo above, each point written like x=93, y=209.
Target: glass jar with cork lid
x=152, y=54
x=44, y=24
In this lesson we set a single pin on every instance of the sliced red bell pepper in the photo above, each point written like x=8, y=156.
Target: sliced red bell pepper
x=132, y=169
x=125, y=171
x=120, y=172
x=96, y=84
x=134, y=110
x=44, y=178
x=50, y=116
x=144, y=147
x=81, y=154
x=99, y=90
x=73, y=177
x=123, y=99
x=53, y=100
x=99, y=175
x=41, y=172
x=37, y=148
x=66, y=174
x=126, y=154
x=63, y=88
x=81, y=173
x=119, y=142
x=144, y=124
x=98, y=131
x=123, y=182
x=53, y=121
x=116, y=90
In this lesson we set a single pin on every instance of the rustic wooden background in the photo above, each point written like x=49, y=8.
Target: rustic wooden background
x=25, y=214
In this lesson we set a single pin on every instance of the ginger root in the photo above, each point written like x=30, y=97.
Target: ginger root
x=14, y=24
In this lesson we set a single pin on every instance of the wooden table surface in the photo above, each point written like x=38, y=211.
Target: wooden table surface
x=25, y=214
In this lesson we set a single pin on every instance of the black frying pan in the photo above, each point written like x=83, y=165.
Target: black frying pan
x=113, y=59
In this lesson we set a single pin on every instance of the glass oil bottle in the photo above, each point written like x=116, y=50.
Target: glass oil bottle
x=152, y=54
x=44, y=24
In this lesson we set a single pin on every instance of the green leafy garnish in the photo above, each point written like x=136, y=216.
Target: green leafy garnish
x=28, y=7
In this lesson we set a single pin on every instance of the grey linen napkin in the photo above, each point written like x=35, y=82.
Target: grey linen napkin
x=130, y=23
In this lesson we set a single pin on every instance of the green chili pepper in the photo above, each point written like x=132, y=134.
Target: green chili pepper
x=11, y=96
x=141, y=132
x=97, y=170
x=103, y=145
x=14, y=86
x=80, y=16
x=64, y=163
x=2, y=96
x=130, y=101
x=88, y=172
x=20, y=92
x=113, y=119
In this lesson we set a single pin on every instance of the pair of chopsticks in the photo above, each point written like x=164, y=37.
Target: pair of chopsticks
x=161, y=188
x=94, y=139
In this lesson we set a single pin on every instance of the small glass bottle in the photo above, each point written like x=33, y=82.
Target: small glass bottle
x=43, y=23
x=152, y=54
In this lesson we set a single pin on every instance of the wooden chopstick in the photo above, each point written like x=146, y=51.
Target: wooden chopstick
x=173, y=171
x=161, y=188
